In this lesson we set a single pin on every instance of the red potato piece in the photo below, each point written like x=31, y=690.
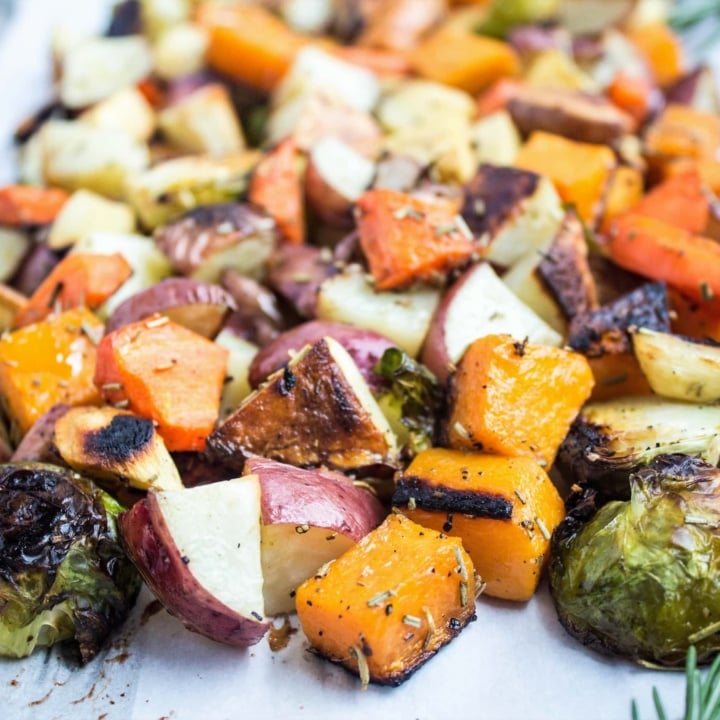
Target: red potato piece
x=34, y=268
x=212, y=581
x=365, y=347
x=198, y=306
x=296, y=272
x=309, y=518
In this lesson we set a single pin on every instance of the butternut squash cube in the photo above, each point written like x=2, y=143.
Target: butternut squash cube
x=580, y=171
x=503, y=509
x=515, y=398
x=389, y=603
x=46, y=363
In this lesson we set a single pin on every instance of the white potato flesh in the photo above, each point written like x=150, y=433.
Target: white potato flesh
x=76, y=155
x=204, y=122
x=95, y=69
x=524, y=280
x=404, y=317
x=87, y=212
x=160, y=15
x=531, y=227
x=346, y=171
x=678, y=368
x=240, y=357
x=495, y=139
x=13, y=246
x=217, y=528
x=484, y=305
x=180, y=50
x=290, y=556
x=307, y=16
x=148, y=263
x=315, y=69
x=126, y=110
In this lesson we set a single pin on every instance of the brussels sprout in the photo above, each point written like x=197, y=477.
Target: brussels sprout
x=642, y=578
x=63, y=574
x=411, y=402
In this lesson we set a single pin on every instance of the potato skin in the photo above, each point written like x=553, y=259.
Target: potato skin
x=147, y=541
x=366, y=347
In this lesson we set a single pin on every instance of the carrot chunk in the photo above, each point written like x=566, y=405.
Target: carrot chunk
x=503, y=509
x=464, y=60
x=580, y=171
x=49, y=362
x=631, y=93
x=657, y=250
x=163, y=371
x=516, y=398
x=248, y=43
x=389, y=603
x=407, y=239
x=680, y=201
x=82, y=279
x=682, y=131
x=28, y=205
x=275, y=186
x=662, y=49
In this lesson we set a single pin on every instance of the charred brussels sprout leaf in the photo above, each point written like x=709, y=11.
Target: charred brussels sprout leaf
x=412, y=400
x=63, y=574
x=642, y=578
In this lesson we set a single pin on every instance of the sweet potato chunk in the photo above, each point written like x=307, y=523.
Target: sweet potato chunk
x=516, y=398
x=503, y=509
x=162, y=371
x=580, y=171
x=389, y=603
x=46, y=363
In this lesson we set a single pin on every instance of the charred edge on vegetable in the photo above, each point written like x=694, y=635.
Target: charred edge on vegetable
x=124, y=437
x=446, y=499
x=502, y=189
x=605, y=330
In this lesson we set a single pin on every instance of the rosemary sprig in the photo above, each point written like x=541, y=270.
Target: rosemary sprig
x=702, y=698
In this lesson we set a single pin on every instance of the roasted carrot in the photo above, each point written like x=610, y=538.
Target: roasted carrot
x=580, y=171
x=515, y=398
x=662, y=49
x=464, y=60
x=276, y=187
x=617, y=375
x=390, y=602
x=78, y=279
x=681, y=201
x=681, y=131
x=162, y=371
x=690, y=263
x=631, y=93
x=406, y=239
x=49, y=362
x=28, y=205
x=693, y=319
x=503, y=509
x=248, y=43
x=497, y=96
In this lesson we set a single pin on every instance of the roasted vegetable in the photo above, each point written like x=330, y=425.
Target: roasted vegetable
x=63, y=575
x=424, y=577
x=610, y=440
x=412, y=402
x=640, y=578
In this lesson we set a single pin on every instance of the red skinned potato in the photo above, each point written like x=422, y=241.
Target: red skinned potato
x=37, y=444
x=309, y=518
x=478, y=304
x=198, y=306
x=296, y=272
x=365, y=347
x=204, y=241
x=336, y=176
x=213, y=582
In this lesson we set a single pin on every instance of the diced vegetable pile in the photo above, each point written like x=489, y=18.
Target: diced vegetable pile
x=365, y=310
